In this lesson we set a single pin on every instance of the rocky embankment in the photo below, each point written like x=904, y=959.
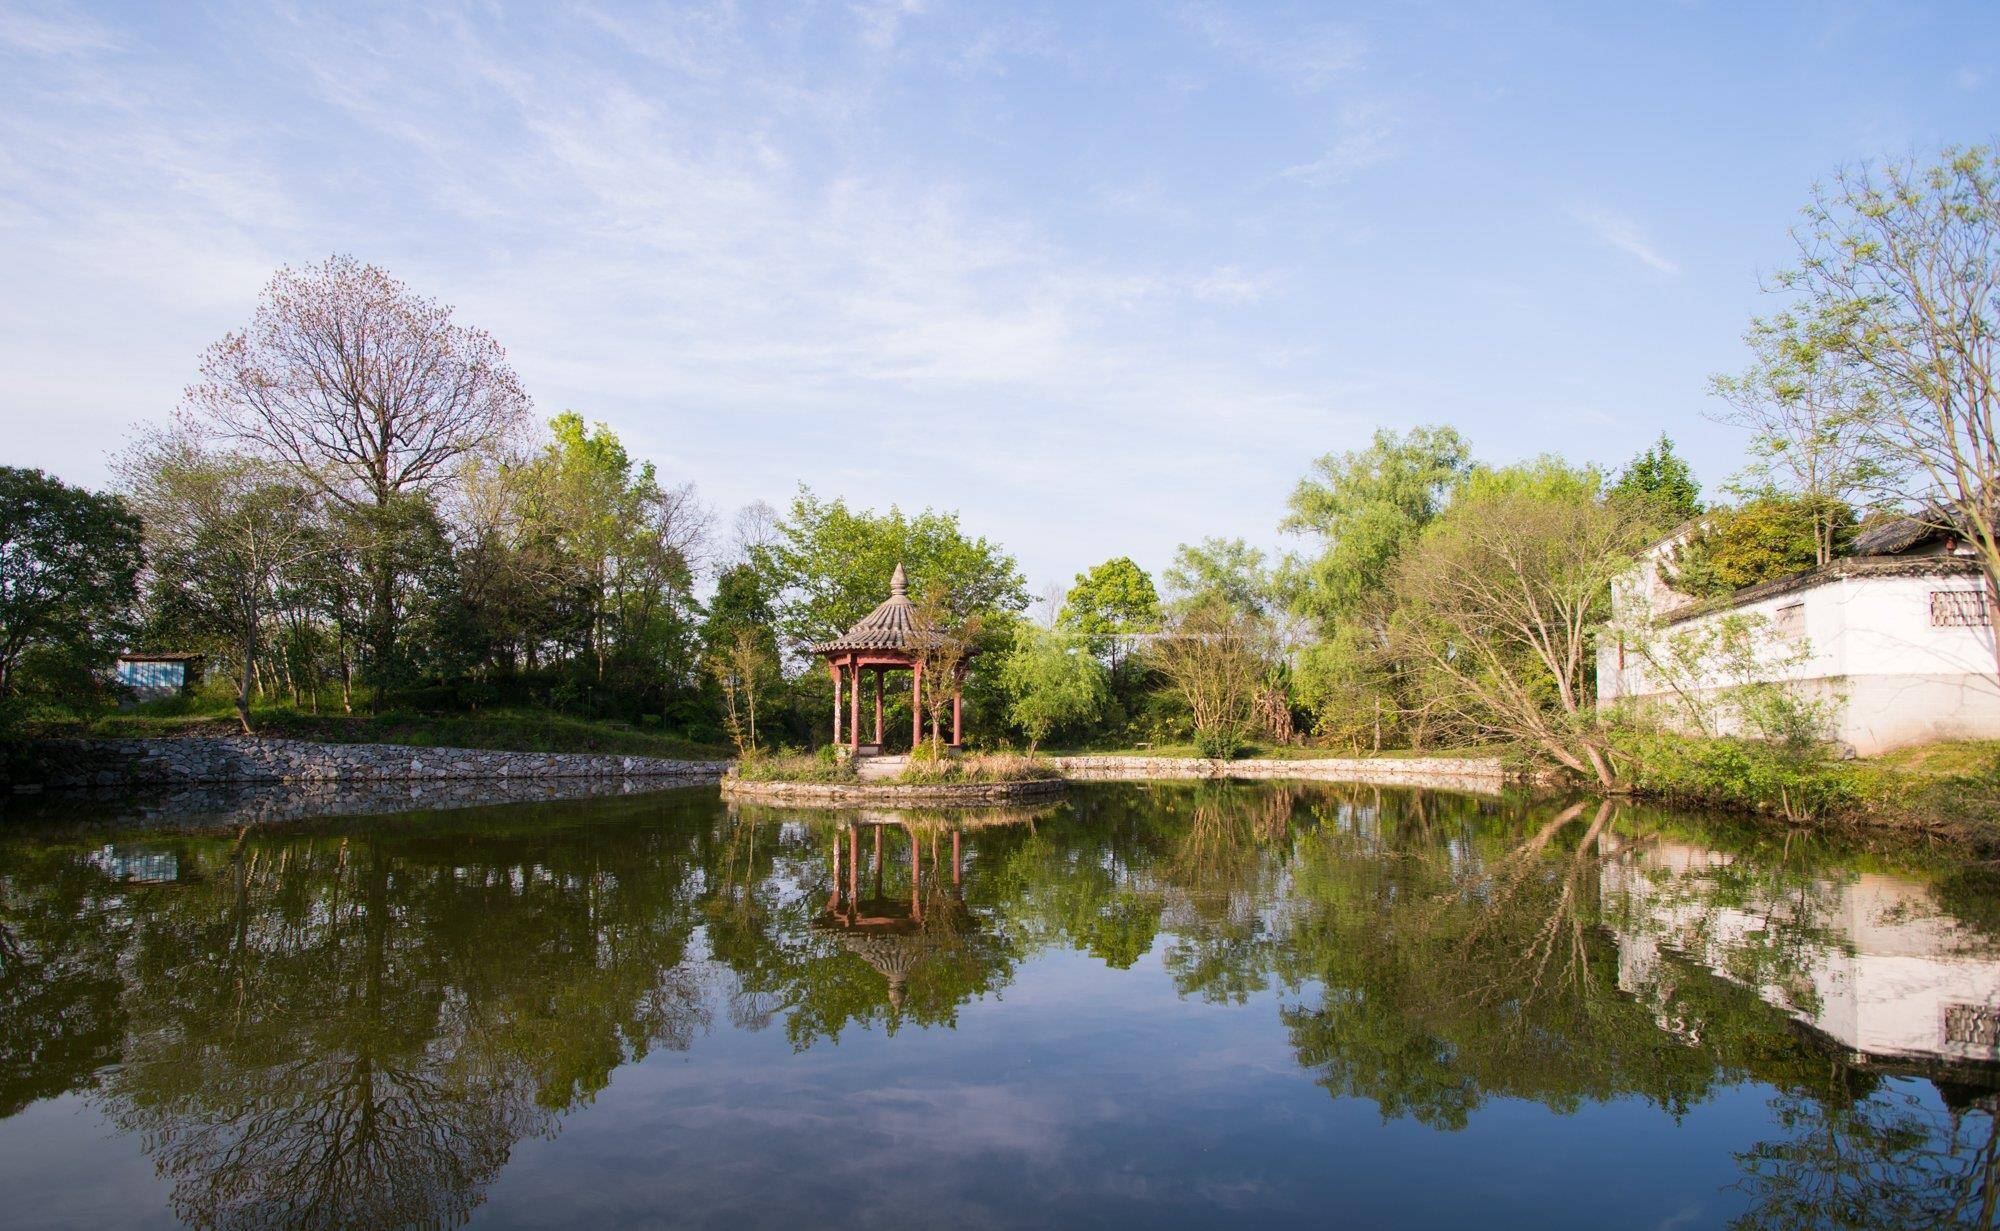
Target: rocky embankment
x=171, y=762
x=1484, y=774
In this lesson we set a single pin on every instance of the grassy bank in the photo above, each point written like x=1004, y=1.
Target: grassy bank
x=501, y=729
x=1950, y=789
x=1282, y=752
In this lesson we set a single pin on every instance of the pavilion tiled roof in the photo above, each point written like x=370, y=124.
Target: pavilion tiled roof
x=892, y=626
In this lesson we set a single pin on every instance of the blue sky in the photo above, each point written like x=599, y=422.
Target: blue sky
x=1102, y=277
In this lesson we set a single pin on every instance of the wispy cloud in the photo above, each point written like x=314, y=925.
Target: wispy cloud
x=1307, y=58
x=1622, y=233
x=1361, y=139
x=56, y=30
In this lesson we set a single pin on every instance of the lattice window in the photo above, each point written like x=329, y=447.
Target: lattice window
x=1959, y=609
x=1791, y=621
x=1974, y=1024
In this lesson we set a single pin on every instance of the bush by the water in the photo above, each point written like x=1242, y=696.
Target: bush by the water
x=930, y=767
x=826, y=765
x=1799, y=780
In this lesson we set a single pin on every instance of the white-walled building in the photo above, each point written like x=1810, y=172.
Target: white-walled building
x=1898, y=637
x=1871, y=961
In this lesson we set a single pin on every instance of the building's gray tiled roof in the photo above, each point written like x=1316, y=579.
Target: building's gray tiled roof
x=1846, y=566
x=892, y=626
x=1899, y=535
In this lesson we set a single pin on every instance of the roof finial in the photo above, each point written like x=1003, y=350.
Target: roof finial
x=898, y=586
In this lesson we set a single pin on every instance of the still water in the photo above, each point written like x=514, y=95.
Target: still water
x=1166, y=1005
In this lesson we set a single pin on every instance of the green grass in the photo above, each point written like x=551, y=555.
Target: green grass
x=794, y=767
x=1944, y=759
x=1951, y=787
x=1282, y=752
x=508, y=730
x=979, y=767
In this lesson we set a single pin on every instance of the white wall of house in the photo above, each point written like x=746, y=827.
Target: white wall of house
x=1894, y=652
x=1882, y=969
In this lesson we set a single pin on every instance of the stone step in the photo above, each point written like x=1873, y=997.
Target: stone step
x=875, y=769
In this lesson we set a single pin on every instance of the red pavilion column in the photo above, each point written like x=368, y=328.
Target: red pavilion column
x=954, y=717
x=835, y=672
x=854, y=710
x=916, y=706
x=878, y=707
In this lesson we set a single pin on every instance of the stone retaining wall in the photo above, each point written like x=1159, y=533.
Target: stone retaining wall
x=956, y=794
x=198, y=807
x=121, y=762
x=1441, y=773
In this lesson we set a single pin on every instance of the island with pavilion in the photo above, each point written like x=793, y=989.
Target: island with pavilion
x=889, y=638
x=894, y=637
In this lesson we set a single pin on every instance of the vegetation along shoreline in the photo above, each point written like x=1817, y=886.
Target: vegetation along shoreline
x=424, y=561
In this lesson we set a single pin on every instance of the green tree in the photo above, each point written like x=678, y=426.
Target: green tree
x=69, y=567
x=827, y=565
x=1767, y=538
x=1114, y=597
x=1225, y=571
x=1500, y=601
x=740, y=603
x=1051, y=683
x=1660, y=479
x=1111, y=600
x=222, y=531
x=1807, y=415
x=1365, y=508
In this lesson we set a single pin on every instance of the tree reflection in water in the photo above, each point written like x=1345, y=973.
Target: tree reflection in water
x=354, y=1023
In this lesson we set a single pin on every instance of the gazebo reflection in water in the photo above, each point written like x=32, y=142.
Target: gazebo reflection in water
x=895, y=927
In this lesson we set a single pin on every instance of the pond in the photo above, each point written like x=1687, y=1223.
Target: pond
x=1152, y=1004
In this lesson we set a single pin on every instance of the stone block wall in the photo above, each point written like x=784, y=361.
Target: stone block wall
x=120, y=762
x=1440, y=773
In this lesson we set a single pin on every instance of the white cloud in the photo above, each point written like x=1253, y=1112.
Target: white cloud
x=1625, y=235
x=56, y=31
x=1306, y=58
x=882, y=20
x=1362, y=134
x=1969, y=78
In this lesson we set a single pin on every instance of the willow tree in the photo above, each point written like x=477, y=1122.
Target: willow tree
x=367, y=390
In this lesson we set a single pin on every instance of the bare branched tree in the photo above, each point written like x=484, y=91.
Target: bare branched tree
x=1503, y=594
x=223, y=528
x=943, y=650
x=741, y=666
x=1900, y=267
x=1212, y=657
x=1807, y=414
x=366, y=390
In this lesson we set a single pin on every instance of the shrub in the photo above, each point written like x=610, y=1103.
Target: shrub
x=933, y=769
x=1794, y=778
x=1218, y=745
x=786, y=766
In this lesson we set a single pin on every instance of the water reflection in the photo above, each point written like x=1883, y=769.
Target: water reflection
x=357, y=1022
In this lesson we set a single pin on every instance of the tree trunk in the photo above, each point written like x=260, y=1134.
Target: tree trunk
x=1993, y=617
x=249, y=671
x=381, y=623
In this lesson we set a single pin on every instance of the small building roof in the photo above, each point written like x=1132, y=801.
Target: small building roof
x=1900, y=534
x=891, y=626
x=139, y=656
x=1878, y=565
